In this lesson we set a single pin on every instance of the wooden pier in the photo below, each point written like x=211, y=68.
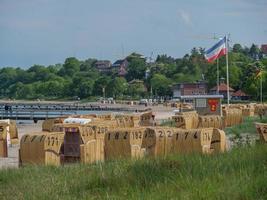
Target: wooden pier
x=42, y=111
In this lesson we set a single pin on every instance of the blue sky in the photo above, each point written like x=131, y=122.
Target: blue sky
x=47, y=31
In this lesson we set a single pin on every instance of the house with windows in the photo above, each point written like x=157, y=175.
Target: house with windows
x=264, y=50
x=103, y=66
x=240, y=95
x=183, y=89
x=120, y=67
x=222, y=90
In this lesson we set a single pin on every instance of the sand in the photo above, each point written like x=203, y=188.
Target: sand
x=27, y=127
x=23, y=128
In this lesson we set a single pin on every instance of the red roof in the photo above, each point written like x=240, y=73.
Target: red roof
x=264, y=48
x=239, y=93
x=222, y=88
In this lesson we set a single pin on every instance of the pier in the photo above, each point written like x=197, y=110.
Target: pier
x=41, y=111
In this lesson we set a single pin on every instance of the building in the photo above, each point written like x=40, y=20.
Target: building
x=240, y=95
x=182, y=89
x=120, y=66
x=103, y=66
x=222, y=90
x=264, y=50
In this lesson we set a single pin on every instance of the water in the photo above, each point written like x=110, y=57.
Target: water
x=80, y=112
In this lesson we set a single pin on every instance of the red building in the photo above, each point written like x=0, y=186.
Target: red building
x=222, y=90
x=264, y=49
x=120, y=67
x=182, y=89
x=103, y=66
x=240, y=95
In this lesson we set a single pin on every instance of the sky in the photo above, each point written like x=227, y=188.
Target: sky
x=48, y=31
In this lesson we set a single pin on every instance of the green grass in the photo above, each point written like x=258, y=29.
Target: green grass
x=169, y=123
x=238, y=174
x=248, y=126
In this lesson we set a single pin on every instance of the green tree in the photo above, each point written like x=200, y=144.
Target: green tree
x=88, y=64
x=137, y=67
x=254, y=51
x=21, y=91
x=82, y=85
x=101, y=83
x=117, y=87
x=237, y=48
x=70, y=67
x=161, y=85
x=135, y=90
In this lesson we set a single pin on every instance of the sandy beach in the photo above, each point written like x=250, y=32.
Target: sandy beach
x=27, y=127
x=23, y=128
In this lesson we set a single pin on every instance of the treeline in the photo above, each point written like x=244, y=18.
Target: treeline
x=75, y=78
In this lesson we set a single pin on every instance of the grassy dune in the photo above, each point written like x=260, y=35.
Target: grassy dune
x=248, y=126
x=239, y=174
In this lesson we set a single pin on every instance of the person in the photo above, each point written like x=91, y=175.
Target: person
x=152, y=120
x=6, y=107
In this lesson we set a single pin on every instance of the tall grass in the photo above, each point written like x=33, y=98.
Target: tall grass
x=239, y=174
x=248, y=126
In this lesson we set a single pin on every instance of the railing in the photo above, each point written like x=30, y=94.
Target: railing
x=32, y=114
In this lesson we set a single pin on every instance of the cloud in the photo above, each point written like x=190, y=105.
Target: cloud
x=185, y=17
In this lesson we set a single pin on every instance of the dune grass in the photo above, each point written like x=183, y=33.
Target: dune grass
x=238, y=174
x=248, y=126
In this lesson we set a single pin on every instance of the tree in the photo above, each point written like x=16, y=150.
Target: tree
x=82, y=85
x=40, y=73
x=165, y=59
x=88, y=64
x=101, y=83
x=21, y=91
x=160, y=84
x=254, y=51
x=117, y=87
x=8, y=76
x=136, y=89
x=237, y=48
x=70, y=67
x=136, y=69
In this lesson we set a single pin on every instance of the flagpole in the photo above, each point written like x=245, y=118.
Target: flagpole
x=227, y=72
x=218, y=78
x=261, y=87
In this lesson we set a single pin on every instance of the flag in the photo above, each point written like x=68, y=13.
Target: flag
x=218, y=50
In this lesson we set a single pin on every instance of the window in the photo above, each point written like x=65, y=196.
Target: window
x=201, y=103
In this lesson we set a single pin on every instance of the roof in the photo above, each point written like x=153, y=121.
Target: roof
x=103, y=64
x=239, y=93
x=99, y=62
x=118, y=62
x=202, y=96
x=264, y=48
x=136, y=81
x=222, y=87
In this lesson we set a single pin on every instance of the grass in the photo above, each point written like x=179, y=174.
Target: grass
x=169, y=122
x=247, y=126
x=238, y=174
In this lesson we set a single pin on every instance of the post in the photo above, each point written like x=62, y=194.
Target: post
x=218, y=77
x=151, y=92
x=227, y=72
x=261, y=89
x=104, y=90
